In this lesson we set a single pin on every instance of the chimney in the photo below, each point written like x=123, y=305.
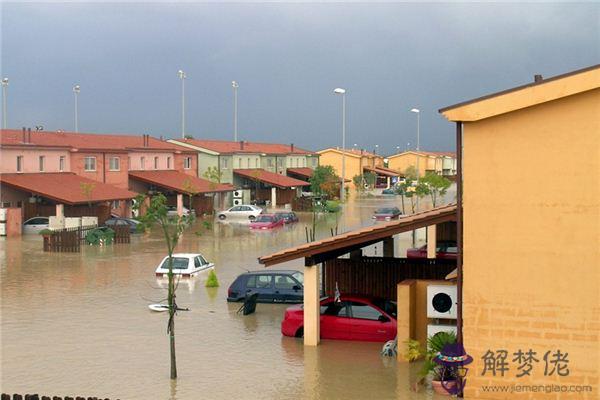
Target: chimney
x=292, y=148
x=161, y=138
x=241, y=145
x=28, y=135
x=538, y=78
x=24, y=136
x=362, y=152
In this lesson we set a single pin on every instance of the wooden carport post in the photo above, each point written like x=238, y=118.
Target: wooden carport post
x=388, y=247
x=431, y=241
x=311, y=305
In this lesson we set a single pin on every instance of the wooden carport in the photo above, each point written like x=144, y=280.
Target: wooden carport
x=352, y=242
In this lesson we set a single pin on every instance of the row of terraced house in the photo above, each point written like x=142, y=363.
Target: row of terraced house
x=70, y=174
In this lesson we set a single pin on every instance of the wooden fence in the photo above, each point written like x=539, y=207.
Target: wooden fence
x=38, y=397
x=378, y=276
x=69, y=240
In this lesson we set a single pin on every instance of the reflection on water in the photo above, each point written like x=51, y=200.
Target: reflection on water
x=78, y=324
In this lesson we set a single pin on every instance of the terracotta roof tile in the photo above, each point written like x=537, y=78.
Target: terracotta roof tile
x=305, y=172
x=230, y=147
x=180, y=182
x=65, y=187
x=270, y=177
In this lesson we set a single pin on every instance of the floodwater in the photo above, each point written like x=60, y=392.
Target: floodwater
x=78, y=324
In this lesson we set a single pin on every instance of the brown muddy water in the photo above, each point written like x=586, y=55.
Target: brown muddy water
x=78, y=324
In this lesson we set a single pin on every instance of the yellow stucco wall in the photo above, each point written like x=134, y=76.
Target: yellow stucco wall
x=401, y=162
x=532, y=242
x=333, y=158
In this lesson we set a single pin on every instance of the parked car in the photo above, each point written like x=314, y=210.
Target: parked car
x=387, y=214
x=352, y=318
x=35, y=225
x=244, y=211
x=172, y=211
x=288, y=216
x=272, y=286
x=118, y=221
x=267, y=221
x=389, y=191
x=445, y=249
x=184, y=264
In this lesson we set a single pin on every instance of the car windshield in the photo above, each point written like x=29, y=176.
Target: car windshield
x=265, y=218
x=178, y=263
x=388, y=306
x=386, y=211
x=299, y=277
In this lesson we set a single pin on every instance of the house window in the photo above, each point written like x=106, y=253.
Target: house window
x=42, y=162
x=143, y=163
x=168, y=162
x=19, y=163
x=269, y=162
x=61, y=163
x=256, y=163
x=187, y=163
x=116, y=204
x=89, y=163
x=224, y=163
x=114, y=164
x=155, y=162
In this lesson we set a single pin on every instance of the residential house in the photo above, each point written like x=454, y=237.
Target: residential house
x=441, y=163
x=259, y=168
x=530, y=244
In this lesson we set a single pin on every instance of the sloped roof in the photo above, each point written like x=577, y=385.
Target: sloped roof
x=382, y=171
x=270, y=178
x=341, y=244
x=180, y=182
x=65, y=187
x=426, y=153
x=86, y=141
x=231, y=147
x=305, y=172
x=350, y=152
x=523, y=96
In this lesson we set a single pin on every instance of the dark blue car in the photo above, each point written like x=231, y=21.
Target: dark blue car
x=272, y=286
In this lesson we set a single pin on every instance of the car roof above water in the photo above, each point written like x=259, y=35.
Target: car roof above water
x=272, y=271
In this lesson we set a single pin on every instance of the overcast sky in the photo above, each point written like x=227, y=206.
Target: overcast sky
x=287, y=58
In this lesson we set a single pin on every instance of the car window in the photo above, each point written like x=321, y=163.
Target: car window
x=246, y=208
x=37, y=221
x=364, y=311
x=236, y=208
x=110, y=222
x=334, y=309
x=265, y=218
x=251, y=282
x=451, y=249
x=264, y=281
x=197, y=262
x=203, y=260
x=299, y=277
x=284, y=282
x=178, y=263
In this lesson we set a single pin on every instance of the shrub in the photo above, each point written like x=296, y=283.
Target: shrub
x=212, y=280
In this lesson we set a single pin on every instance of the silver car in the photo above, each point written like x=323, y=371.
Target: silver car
x=35, y=225
x=244, y=211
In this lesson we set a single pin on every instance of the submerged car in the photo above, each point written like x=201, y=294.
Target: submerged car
x=445, y=249
x=244, y=211
x=184, y=264
x=172, y=211
x=272, y=286
x=35, y=225
x=287, y=216
x=386, y=213
x=118, y=221
x=351, y=318
x=267, y=221
x=389, y=191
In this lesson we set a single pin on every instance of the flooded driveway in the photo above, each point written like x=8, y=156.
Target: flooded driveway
x=78, y=324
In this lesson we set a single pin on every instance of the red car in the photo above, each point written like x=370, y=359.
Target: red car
x=444, y=250
x=267, y=221
x=352, y=318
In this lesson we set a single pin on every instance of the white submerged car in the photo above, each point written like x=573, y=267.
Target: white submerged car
x=184, y=264
x=243, y=212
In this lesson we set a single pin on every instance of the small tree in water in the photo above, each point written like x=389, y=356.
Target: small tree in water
x=435, y=186
x=172, y=228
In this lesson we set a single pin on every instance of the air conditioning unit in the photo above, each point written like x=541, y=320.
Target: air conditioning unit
x=432, y=329
x=237, y=194
x=238, y=202
x=441, y=301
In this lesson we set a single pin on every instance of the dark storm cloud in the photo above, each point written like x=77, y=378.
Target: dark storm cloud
x=287, y=59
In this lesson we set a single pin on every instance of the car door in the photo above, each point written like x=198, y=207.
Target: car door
x=370, y=324
x=287, y=289
x=335, y=321
x=264, y=288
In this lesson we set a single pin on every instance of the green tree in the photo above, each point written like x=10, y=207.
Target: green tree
x=365, y=181
x=321, y=176
x=410, y=173
x=214, y=175
x=172, y=228
x=191, y=191
x=433, y=185
x=87, y=188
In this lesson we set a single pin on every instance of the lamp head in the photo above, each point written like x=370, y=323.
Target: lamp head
x=76, y=88
x=181, y=74
x=234, y=84
x=415, y=110
x=5, y=82
x=339, y=91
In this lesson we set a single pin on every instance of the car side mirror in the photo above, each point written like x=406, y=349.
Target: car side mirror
x=383, y=318
x=296, y=288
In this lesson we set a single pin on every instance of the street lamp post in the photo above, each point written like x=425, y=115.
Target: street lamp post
x=4, y=116
x=76, y=90
x=418, y=112
x=235, y=86
x=182, y=76
x=343, y=93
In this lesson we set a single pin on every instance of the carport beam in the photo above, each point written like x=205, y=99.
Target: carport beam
x=431, y=241
x=311, y=306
